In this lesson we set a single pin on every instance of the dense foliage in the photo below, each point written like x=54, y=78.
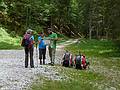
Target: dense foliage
x=87, y=18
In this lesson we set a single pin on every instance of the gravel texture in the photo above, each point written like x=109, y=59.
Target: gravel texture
x=13, y=75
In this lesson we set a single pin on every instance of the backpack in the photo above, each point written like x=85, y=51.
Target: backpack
x=83, y=60
x=67, y=59
x=78, y=59
x=67, y=56
x=27, y=42
x=77, y=62
x=83, y=64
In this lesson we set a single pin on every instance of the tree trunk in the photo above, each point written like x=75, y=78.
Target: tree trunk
x=90, y=33
x=97, y=33
x=106, y=34
x=90, y=20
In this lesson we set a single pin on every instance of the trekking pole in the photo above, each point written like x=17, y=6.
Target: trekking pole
x=36, y=55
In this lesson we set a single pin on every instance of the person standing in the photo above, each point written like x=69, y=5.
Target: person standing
x=42, y=48
x=28, y=44
x=52, y=47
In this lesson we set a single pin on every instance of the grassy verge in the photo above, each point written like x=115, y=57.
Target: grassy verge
x=103, y=74
x=7, y=42
x=78, y=80
x=8, y=46
x=95, y=48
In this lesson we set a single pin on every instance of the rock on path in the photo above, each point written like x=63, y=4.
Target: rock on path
x=13, y=75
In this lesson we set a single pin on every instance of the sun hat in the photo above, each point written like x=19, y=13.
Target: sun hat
x=29, y=31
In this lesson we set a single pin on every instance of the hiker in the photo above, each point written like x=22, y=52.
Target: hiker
x=42, y=48
x=28, y=44
x=81, y=62
x=67, y=59
x=85, y=63
x=52, y=46
x=77, y=61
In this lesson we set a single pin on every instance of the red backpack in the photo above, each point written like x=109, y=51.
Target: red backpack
x=83, y=62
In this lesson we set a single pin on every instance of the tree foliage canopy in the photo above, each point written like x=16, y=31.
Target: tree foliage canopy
x=88, y=18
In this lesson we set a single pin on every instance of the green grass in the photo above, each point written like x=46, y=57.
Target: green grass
x=78, y=80
x=95, y=48
x=7, y=42
x=7, y=46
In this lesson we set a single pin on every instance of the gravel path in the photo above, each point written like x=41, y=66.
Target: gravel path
x=13, y=75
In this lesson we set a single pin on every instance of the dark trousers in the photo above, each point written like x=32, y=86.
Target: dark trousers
x=42, y=54
x=27, y=53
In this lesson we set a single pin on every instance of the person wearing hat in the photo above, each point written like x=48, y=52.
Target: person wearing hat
x=29, y=47
x=52, y=46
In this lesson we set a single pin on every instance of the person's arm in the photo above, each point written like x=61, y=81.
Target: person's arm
x=56, y=37
x=33, y=42
x=63, y=57
x=39, y=40
x=47, y=38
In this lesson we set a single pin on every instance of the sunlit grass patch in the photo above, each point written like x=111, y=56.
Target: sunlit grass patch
x=7, y=42
x=95, y=48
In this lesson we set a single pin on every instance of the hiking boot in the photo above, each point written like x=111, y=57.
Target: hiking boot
x=40, y=62
x=32, y=66
x=43, y=62
x=26, y=66
x=52, y=64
